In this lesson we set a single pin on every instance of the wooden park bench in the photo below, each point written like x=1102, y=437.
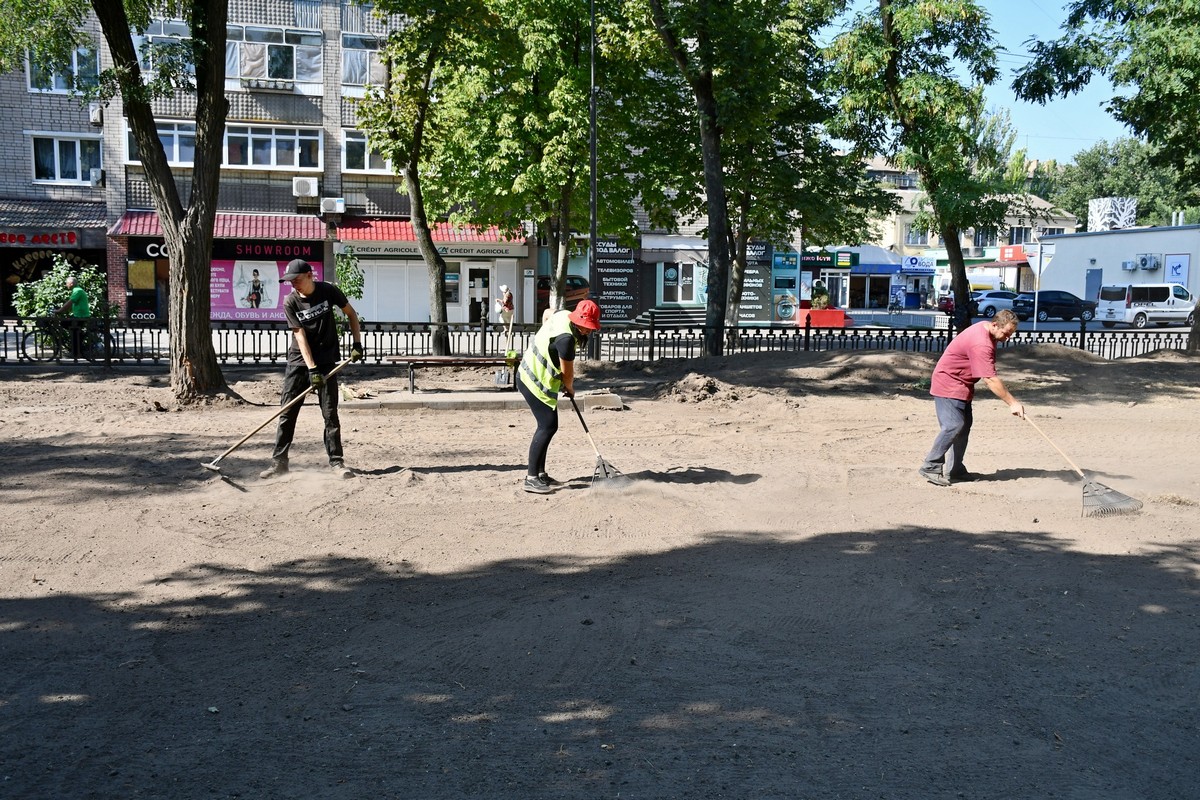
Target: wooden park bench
x=415, y=362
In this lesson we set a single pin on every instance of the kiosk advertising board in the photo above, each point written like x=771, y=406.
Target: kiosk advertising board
x=755, y=307
x=616, y=289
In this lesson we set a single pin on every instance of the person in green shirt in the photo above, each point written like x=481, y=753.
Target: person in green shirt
x=79, y=307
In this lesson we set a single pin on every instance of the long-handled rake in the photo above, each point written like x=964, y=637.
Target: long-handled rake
x=215, y=464
x=604, y=471
x=1098, y=500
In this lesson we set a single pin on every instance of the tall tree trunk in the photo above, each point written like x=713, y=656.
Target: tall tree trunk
x=718, y=219
x=739, y=239
x=562, y=250
x=434, y=263
x=701, y=82
x=188, y=232
x=951, y=238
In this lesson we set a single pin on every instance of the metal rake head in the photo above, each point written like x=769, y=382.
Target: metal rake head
x=1103, y=501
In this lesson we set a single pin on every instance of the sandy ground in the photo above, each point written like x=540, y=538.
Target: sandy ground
x=777, y=606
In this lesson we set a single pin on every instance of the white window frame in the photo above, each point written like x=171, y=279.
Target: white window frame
x=273, y=38
x=374, y=59
x=160, y=31
x=175, y=131
x=275, y=135
x=1020, y=234
x=60, y=83
x=360, y=137
x=59, y=139
x=912, y=236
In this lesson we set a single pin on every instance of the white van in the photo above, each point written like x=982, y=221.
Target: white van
x=1139, y=304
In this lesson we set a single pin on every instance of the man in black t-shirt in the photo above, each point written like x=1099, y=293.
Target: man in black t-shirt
x=311, y=356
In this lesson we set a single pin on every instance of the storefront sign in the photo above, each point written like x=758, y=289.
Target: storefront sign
x=755, y=307
x=447, y=249
x=248, y=289
x=616, y=286
x=39, y=238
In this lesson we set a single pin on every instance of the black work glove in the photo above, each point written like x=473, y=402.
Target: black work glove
x=356, y=352
x=318, y=380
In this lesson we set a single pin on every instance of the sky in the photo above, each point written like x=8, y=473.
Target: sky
x=1061, y=128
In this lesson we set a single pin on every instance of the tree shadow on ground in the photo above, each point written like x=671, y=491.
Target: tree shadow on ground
x=901, y=663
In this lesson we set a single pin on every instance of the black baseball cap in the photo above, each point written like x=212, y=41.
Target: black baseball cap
x=295, y=268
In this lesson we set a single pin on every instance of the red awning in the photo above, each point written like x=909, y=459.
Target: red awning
x=401, y=230
x=231, y=226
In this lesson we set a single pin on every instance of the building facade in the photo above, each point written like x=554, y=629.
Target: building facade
x=297, y=178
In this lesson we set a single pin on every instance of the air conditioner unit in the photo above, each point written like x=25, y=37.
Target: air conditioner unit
x=1129, y=265
x=304, y=187
x=1149, y=261
x=96, y=114
x=333, y=205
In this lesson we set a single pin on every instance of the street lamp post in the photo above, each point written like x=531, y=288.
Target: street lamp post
x=593, y=279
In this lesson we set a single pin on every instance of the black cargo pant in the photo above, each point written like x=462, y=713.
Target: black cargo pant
x=295, y=381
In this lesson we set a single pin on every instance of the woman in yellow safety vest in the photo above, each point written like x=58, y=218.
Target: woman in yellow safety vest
x=547, y=368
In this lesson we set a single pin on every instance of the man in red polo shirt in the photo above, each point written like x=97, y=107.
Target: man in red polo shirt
x=971, y=357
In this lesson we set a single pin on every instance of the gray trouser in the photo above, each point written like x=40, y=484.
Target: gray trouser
x=946, y=455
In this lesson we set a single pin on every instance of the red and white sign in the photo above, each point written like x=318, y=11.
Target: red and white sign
x=1012, y=252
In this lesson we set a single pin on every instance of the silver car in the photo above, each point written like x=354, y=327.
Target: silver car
x=993, y=300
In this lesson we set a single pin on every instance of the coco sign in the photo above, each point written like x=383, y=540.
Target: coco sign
x=39, y=239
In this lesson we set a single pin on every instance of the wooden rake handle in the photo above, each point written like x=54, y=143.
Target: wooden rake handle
x=586, y=432
x=1056, y=447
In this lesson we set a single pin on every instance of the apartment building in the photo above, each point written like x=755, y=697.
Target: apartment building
x=297, y=180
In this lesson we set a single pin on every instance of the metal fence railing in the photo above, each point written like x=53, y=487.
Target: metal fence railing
x=64, y=341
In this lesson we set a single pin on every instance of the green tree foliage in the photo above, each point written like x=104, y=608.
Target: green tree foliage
x=1149, y=50
x=350, y=279
x=49, y=30
x=407, y=119
x=1125, y=168
x=896, y=72
x=780, y=171
x=46, y=296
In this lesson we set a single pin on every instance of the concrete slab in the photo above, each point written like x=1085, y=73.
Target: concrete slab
x=472, y=401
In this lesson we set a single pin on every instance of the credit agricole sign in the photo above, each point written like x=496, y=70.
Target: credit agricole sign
x=447, y=249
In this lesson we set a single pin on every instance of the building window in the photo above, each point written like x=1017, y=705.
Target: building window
x=1018, y=235
x=83, y=72
x=985, y=237
x=915, y=235
x=361, y=62
x=295, y=148
x=164, y=40
x=65, y=160
x=279, y=54
x=178, y=141
x=1051, y=231
x=358, y=157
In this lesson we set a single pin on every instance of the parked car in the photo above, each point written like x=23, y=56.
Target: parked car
x=989, y=302
x=1138, y=304
x=1053, y=303
x=946, y=303
x=576, y=289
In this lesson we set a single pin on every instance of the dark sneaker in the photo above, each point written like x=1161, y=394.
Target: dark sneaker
x=548, y=480
x=537, y=486
x=276, y=469
x=963, y=477
x=934, y=477
x=341, y=471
